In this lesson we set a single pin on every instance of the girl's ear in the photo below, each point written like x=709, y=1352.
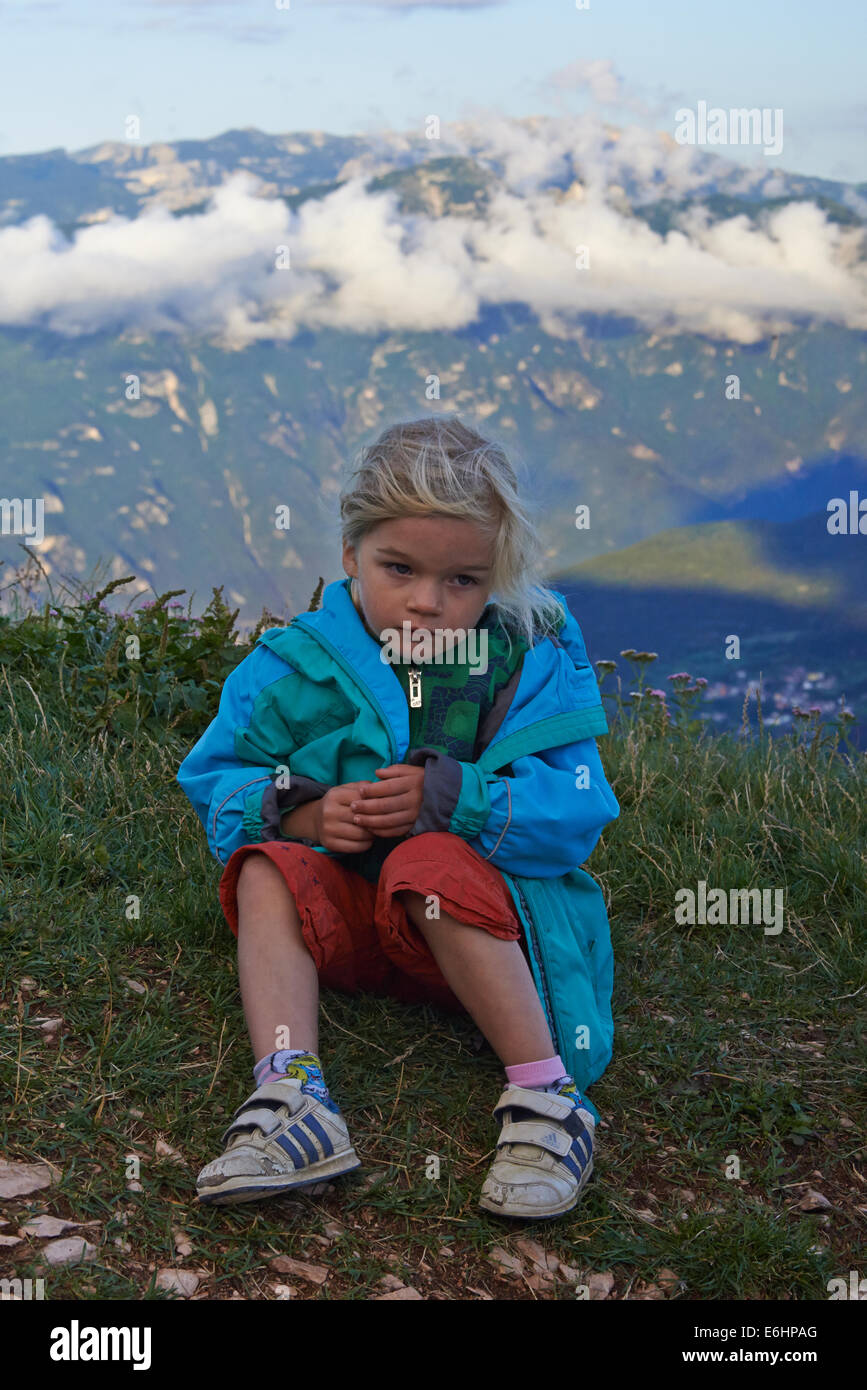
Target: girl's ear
x=350, y=563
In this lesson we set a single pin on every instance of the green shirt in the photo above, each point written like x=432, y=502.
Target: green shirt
x=455, y=698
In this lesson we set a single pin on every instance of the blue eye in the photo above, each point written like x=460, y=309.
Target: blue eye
x=399, y=565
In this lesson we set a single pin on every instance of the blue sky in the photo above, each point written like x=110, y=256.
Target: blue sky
x=71, y=74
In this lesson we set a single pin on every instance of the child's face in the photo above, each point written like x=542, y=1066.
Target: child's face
x=430, y=571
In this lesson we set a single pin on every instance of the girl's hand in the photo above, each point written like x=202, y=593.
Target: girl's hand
x=336, y=828
x=390, y=808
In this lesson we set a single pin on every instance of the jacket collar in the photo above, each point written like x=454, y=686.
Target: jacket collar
x=536, y=699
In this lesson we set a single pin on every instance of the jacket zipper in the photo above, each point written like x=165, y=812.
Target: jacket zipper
x=415, y=702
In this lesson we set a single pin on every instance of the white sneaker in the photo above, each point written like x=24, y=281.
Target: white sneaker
x=544, y=1155
x=280, y=1139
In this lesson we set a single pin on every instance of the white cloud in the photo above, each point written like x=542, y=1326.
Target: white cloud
x=358, y=265
x=594, y=75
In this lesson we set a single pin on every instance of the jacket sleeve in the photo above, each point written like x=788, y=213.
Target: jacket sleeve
x=541, y=820
x=238, y=800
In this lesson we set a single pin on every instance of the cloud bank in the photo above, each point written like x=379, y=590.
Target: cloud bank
x=357, y=264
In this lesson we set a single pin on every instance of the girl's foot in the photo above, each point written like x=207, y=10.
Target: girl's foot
x=279, y=1140
x=544, y=1153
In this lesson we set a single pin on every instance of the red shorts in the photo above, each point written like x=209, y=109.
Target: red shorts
x=358, y=933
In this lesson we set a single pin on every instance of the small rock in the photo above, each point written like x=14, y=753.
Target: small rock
x=284, y=1264
x=539, y=1282
x=44, y=1226
x=136, y=1114
x=647, y=1292
x=164, y=1150
x=50, y=1026
x=686, y=1194
x=667, y=1279
x=570, y=1273
x=813, y=1201
x=68, y=1251
x=135, y=985
x=134, y=1186
x=333, y=1230
x=122, y=1245
x=390, y=1281
x=406, y=1292
x=600, y=1285
x=182, y=1244
x=504, y=1262
x=533, y=1250
x=17, y=1179
x=180, y=1281
x=282, y=1291
x=10, y=1240
x=447, y=1251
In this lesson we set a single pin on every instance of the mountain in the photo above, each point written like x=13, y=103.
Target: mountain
x=794, y=594
x=616, y=401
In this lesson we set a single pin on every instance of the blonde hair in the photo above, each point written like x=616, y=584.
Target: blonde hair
x=439, y=466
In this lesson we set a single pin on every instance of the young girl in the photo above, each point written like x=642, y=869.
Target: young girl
x=410, y=823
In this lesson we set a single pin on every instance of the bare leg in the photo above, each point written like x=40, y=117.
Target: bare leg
x=492, y=980
x=278, y=978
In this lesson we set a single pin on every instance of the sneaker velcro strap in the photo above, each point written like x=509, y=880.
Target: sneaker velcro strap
x=539, y=1102
x=279, y=1091
x=259, y=1109
x=252, y=1118
x=536, y=1132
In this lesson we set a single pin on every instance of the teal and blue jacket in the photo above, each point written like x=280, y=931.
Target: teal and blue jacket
x=314, y=706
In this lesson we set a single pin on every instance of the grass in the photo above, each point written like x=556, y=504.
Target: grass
x=731, y=1047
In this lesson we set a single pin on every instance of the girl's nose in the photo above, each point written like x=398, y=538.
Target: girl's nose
x=426, y=601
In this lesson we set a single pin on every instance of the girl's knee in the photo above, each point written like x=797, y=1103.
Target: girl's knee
x=259, y=873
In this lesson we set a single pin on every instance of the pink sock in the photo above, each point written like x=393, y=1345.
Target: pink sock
x=536, y=1073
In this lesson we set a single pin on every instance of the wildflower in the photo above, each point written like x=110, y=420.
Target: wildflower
x=700, y=682
x=630, y=652
x=660, y=694
x=814, y=709
x=680, y=676
x=645, y=656
x=607, y=665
